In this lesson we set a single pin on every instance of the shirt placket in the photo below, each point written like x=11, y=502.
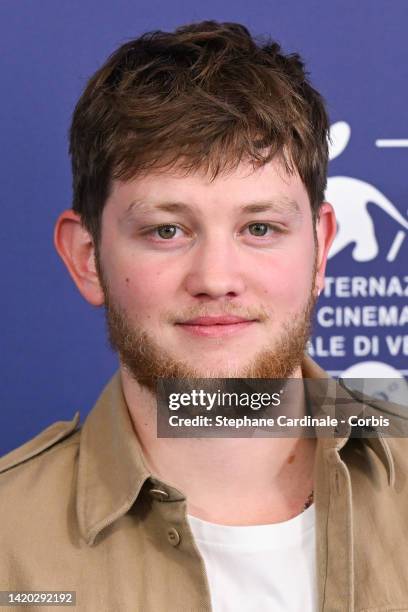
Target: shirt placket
x=176, y=531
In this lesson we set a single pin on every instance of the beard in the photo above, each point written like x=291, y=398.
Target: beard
x=147, y=361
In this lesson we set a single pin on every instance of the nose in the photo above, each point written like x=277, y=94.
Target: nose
x=215, y=271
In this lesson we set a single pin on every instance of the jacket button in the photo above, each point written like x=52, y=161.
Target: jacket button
x=158, y=494
x=173, y=536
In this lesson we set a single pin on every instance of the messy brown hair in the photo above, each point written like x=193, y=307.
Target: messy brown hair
x=204, y=97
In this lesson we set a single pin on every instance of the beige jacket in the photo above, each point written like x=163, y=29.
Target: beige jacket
x=80, y=512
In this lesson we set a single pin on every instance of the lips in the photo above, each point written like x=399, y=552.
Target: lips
x=216, y=320
x=216, y=326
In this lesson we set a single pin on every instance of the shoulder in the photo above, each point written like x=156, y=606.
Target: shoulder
x=384, y=419
x=37, y=485
x=396, y=413
x=45, y=449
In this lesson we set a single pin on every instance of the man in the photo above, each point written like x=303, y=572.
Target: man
x=199, y=167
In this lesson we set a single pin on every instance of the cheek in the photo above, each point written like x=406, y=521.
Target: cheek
x=144, y=289
x=286, y=282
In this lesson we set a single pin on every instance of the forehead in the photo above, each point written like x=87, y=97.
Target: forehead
x=243, y=189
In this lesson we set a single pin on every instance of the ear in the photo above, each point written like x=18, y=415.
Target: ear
x=76, y=248
x=326, y=228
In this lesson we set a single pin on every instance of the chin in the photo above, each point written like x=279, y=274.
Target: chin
x=217, y=370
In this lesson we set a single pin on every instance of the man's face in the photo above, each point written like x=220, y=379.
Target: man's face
x=209, y=278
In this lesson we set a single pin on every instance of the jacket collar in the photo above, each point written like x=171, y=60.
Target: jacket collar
x=337, y=395
x=111, y=470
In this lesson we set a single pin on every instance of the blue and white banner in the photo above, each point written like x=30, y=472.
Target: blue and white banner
x=54, y=357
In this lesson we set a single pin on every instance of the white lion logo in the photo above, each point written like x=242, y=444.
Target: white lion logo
x=349, y=197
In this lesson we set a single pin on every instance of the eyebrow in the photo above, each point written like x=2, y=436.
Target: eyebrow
x=282, y=205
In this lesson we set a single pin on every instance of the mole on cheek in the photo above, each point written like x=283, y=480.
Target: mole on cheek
x=127, y=281
x=291, y=458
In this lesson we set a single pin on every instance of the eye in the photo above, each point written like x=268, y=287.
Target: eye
x=167, y=231
x=259, y=229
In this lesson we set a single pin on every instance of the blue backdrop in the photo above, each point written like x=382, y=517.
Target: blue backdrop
x=54, y=357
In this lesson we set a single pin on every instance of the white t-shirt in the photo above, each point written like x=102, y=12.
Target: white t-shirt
x=261, y=567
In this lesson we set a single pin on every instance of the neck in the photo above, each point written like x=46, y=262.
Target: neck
x=235, y=481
